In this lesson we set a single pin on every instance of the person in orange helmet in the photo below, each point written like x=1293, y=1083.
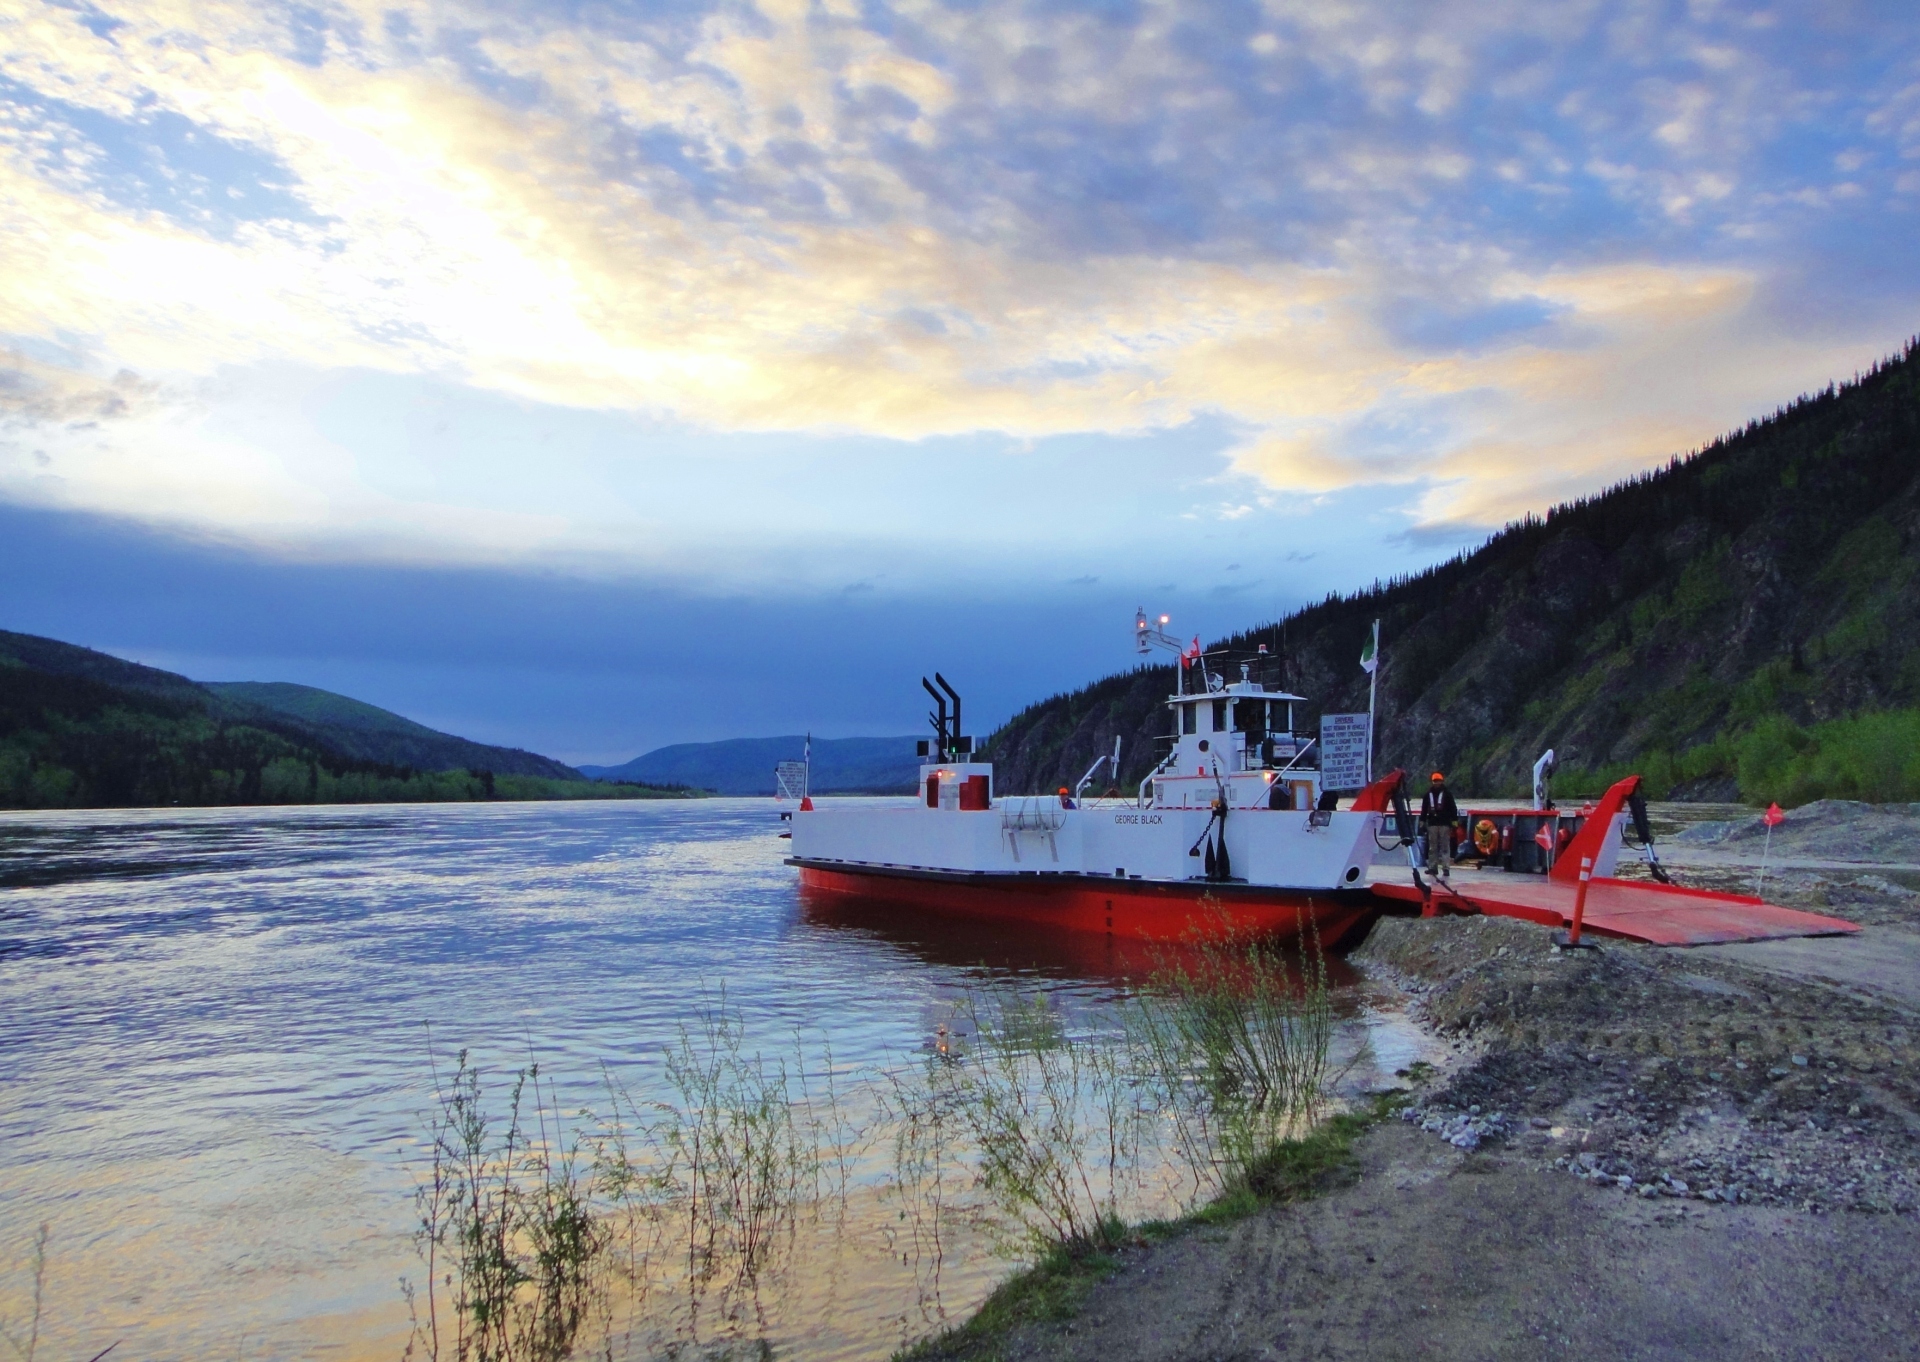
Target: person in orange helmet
x=1438, y=814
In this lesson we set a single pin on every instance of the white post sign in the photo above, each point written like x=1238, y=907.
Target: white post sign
x=1343, y=751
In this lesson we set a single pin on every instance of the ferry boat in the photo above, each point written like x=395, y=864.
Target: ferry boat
x=1233, y=831
x=1237, y=832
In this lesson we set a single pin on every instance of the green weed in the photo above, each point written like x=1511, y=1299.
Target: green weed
x=25, y=1340
x=1233, y=1042
x=506, y=1229
x=678, y=1206
x=687, y=1204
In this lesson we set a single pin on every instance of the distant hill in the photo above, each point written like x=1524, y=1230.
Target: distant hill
x=744, y=766
x=358, y=729
x=82, y=729
x=51, y=657
x=1744, y=621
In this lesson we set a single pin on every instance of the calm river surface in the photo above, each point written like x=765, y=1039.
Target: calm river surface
x=217, y=1023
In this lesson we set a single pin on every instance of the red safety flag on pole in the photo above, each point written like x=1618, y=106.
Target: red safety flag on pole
x=1773, y=818
x=1544, y=838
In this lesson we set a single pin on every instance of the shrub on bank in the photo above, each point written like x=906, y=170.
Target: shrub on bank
x=1870, y=757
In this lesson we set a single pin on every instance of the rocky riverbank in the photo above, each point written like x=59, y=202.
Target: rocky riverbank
x=1710, y=1153
x=1662, y=1073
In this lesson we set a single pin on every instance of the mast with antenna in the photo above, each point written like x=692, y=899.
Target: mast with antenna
x=1148, y=636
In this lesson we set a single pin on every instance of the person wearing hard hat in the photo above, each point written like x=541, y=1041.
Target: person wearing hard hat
x=1438, y=813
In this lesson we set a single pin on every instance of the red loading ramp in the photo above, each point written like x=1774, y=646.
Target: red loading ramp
x=1639, y=910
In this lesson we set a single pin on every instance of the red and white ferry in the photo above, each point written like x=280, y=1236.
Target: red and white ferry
x=1234, y=830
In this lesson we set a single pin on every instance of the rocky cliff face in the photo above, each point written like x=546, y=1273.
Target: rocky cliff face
x=1772, y=576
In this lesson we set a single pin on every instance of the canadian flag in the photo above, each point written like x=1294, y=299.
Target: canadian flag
x=1193, y=650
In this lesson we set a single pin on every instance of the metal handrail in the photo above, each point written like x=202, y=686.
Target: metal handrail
x=1140, y=796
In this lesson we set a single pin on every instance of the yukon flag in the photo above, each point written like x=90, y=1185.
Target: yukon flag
x=1370, y=655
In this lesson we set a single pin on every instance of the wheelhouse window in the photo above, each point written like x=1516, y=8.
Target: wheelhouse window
x=1219, y=716
x=1189, y=718
x=1250, y=717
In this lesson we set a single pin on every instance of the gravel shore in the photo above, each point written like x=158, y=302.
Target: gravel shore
x=1660, y=1072
x=1634, y=1151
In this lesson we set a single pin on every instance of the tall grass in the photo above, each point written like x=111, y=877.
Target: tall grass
x=678, y=1207
x=685, y=1206
x=1234, y=1041
x=1223, y=1057
x=506, y=1227
x=1046, y=1123
x=713, y=1177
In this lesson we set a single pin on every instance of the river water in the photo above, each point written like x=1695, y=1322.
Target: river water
x=217, y=1025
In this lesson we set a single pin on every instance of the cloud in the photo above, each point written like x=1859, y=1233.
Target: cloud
x=1488, y=250
x=1298, y=463
x=38, y=391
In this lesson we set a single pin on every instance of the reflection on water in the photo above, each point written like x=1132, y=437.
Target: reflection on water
x=213, y=1058
x=958, y=942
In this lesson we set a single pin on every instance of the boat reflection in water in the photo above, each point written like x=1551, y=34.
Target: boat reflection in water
x=1035, y=947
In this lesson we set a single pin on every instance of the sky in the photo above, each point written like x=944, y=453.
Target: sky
x=590, y=377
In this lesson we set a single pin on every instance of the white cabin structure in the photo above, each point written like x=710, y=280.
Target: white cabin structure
x=1238, y=740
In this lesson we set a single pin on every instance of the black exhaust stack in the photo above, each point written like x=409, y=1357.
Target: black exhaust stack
x=939, y=722
x=962, y=745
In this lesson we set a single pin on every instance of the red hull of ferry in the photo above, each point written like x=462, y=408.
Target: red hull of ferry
x=1137, y=909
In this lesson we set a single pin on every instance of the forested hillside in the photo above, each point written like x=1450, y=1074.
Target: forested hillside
x=81, y=729
x=1743, y=621
x=744, y=766
x=357, y=729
